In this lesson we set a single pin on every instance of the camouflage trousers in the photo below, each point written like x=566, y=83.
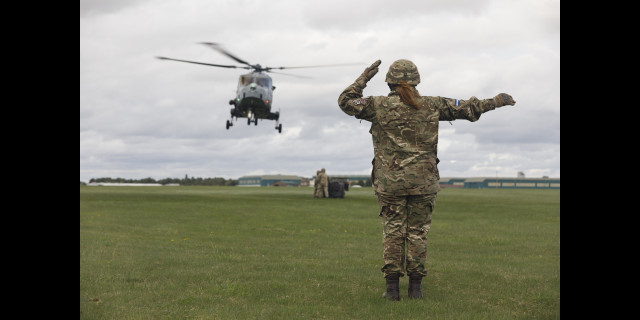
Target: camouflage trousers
x=406, y=221
x=316, y=191
x=321, y=191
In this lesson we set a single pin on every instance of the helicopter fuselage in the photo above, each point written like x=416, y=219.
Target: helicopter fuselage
x=254, y=97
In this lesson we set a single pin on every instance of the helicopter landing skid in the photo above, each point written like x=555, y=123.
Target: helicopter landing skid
x=254, y=120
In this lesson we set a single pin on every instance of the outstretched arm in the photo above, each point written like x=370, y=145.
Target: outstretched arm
x=452, y=109
x=351, y=101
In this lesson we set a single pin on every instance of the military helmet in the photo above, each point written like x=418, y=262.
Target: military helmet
x=403, y=71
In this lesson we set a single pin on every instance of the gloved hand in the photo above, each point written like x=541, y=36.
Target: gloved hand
x=503, y=99
x=370, y=71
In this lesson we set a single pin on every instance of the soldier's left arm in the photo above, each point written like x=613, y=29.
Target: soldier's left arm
x=452, y=109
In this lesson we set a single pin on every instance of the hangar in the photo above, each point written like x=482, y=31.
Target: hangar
x=495, y=182
x=474, y=183
x=272, y=180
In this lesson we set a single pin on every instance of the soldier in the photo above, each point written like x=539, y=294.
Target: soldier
x=404, y=129
x=316, y=185
x=324, y=184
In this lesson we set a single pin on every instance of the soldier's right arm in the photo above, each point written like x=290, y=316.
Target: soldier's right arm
x=351, y=100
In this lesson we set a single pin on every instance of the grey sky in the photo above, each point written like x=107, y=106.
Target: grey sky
x=143, y=117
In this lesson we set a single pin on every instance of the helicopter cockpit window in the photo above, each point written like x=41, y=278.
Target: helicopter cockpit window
x=264, y=82
x=246, y=80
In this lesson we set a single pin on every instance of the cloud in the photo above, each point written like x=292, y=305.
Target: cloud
x=140, y=116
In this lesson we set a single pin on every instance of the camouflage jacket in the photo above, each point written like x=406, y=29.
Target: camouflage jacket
x=405, y=140
x=324, y=180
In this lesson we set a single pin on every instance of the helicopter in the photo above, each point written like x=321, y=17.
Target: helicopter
x=254, y=94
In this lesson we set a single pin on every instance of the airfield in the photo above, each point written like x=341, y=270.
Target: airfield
x=278, y=253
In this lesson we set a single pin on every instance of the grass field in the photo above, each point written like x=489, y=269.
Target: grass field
x=278, y=253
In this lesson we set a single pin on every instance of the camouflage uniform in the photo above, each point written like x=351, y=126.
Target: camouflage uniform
x=405, y=174
x=316, y=185
x=324, y=184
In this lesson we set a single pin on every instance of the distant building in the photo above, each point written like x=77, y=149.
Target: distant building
x=494, y=183
x=452, y=182
x=352, y=177
x=473, y=183
x=272, y=180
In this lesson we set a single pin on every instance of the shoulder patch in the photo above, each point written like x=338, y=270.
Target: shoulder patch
x=359, y=101
x=456, y=102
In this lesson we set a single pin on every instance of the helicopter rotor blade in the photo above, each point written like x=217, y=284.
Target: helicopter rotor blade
x=318, y=66
x=218, y=48
x=289, y=74
x=202, y=63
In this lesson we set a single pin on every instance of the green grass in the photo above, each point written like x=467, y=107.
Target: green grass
x=278, y=253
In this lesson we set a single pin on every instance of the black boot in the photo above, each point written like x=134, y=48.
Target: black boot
x=393, y=288
x=415, y=287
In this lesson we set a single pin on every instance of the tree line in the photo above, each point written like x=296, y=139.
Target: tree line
x=186, y=181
